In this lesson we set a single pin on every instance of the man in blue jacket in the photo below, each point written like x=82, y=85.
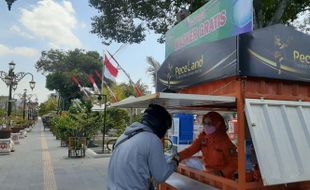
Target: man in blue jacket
x=138, y=154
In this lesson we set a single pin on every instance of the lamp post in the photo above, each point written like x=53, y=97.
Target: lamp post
x=31, y=105
x=104, y=116
x=10, y=2
x=11, y=79
x=24, y=102
x=27, y=103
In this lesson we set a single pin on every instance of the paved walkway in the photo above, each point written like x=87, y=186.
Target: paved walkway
x=39, y=163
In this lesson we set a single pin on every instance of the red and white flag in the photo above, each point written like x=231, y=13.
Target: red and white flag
x=109, y=89
x=92, y=80
x=110, y=71
x=77, y=82
x=137, y=89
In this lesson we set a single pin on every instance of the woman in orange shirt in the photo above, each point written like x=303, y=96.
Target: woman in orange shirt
x=219, y=153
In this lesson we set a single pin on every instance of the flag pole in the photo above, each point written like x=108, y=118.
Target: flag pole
x=136, y=88
x=109, y=89
x=103, y=68
x=105, y=107
x=131, y=82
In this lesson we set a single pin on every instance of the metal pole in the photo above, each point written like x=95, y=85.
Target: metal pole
x=24, y=106
x=28, y=110
x=10, y=101
x=58, y=103
x=104, y=121
x=10, y=92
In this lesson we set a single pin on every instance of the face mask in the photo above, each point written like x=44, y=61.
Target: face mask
x=209, y=129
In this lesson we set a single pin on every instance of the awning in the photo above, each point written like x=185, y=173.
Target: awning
x=178, y=101
x=280, y=132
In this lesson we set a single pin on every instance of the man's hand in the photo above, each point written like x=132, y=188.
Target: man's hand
x=176, y=158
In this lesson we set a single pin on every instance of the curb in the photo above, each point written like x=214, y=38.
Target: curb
x=93, y=154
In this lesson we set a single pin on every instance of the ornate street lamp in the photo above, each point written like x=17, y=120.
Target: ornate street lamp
x=27, y=103
x=11, y=79
x=14, y=86
x=32, y=84
x=10, y=2
x=12, y=65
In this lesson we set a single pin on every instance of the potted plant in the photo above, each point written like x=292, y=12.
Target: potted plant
x=18, y=125
x=5, y=132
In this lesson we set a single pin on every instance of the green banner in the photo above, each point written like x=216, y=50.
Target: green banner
x=218, y=19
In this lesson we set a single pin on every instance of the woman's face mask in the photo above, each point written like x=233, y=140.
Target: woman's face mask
x=209, y=129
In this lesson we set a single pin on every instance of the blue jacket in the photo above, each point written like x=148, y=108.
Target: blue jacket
x=134, y=161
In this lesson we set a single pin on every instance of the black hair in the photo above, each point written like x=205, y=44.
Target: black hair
x=158, y=119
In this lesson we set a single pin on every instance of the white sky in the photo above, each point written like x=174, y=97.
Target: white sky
x=33, y=26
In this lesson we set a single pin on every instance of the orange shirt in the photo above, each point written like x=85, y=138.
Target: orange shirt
x=219, y=153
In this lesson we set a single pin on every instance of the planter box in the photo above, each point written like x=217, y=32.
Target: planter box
x=15, y=138
x=28, y=129
x=16, y=129
x=5, y=147
x=22, y=134
x=76, y=147
x=63, y=143
x=5, y=133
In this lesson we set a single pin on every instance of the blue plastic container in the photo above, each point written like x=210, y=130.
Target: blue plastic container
x=186, y=128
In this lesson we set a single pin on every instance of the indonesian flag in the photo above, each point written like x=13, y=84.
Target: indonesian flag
x=138, y=91
x=110, y=71
x=109, y=89
x=77, y=82
x=92, y=80
x=98, y=75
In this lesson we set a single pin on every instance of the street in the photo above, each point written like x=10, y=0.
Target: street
x=39, y=163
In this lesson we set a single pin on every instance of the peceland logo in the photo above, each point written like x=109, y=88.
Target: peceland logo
x=301, y=57
x=189, y=67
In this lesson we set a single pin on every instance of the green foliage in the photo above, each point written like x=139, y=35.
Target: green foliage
x=117, y=118
x=2, y=117
x=2, y=113
x=123, y=90
x=2, y=121
x=48, y=106
x=152, y=69
x=65, y=126
x=78, y=122
x=129, y=21
x=20, y=122
x=90, y=124
x=268, y=12
x=60, y=66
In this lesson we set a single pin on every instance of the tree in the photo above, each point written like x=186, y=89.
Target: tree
x=152, y=69
x=59, y=66
x=129, y=21
x=124, y=90
x=48, y=106
x=117, y=119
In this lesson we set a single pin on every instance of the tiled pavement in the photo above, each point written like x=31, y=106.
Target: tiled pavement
x=39, y=163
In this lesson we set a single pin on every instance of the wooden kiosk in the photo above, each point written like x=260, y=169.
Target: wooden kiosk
x=263, y=76
x=268, y=72
x=231, y=94
x=244, y=88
